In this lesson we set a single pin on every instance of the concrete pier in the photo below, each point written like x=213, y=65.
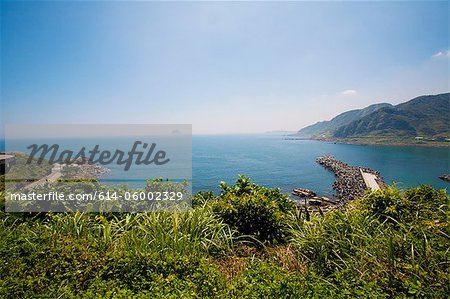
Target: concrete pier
x=351, y=181
x=371, y=180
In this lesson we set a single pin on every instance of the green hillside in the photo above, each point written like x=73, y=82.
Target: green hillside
x=327, y=127
x=424, y=116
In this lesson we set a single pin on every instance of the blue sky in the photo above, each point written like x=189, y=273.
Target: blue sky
x=243, y=67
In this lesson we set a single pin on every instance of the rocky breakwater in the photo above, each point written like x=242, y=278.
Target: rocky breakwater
x=445, y=177
x=349, y=182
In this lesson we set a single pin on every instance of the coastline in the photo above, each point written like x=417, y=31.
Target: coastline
x=351, y=182
x=389, y=143
x=386, y=142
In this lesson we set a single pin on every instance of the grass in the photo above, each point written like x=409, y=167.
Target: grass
x=248, y=242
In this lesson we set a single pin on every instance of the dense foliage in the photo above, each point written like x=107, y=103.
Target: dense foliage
x=254, y=210
x=247, y=242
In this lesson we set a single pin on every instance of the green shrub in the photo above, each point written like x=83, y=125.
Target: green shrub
x=154, y=253
x=389, y=244
x=416, y=204
x=255, y=211
x=268, y=280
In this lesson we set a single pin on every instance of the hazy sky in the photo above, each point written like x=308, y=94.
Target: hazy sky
x=222, y=67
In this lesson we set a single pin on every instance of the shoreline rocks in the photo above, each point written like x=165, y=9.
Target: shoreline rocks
x=308, y=199
x=445, y=177
x=302, y=192
x=349, y=182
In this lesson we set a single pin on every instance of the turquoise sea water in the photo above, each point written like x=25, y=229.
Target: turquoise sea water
x=287, y=164
x=275, y=162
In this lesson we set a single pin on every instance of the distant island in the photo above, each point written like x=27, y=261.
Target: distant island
x=421, y=121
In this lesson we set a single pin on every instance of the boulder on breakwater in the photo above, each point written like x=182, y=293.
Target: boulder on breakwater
x=445, y=177
x=349, y=182
x=302, y=192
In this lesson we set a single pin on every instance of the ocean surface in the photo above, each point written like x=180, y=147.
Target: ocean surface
x=273, y=161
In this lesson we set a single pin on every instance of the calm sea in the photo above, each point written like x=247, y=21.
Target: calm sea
x=275, y=162
x=287, y=164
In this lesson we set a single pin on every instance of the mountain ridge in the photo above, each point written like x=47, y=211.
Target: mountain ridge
x=325, y=127
x=423, y=117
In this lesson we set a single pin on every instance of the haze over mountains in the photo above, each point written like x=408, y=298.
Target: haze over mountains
x=424, y=116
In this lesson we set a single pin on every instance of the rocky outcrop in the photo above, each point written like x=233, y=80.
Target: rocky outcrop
x=445, y=177
x=349, y=182
x=302, y=192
